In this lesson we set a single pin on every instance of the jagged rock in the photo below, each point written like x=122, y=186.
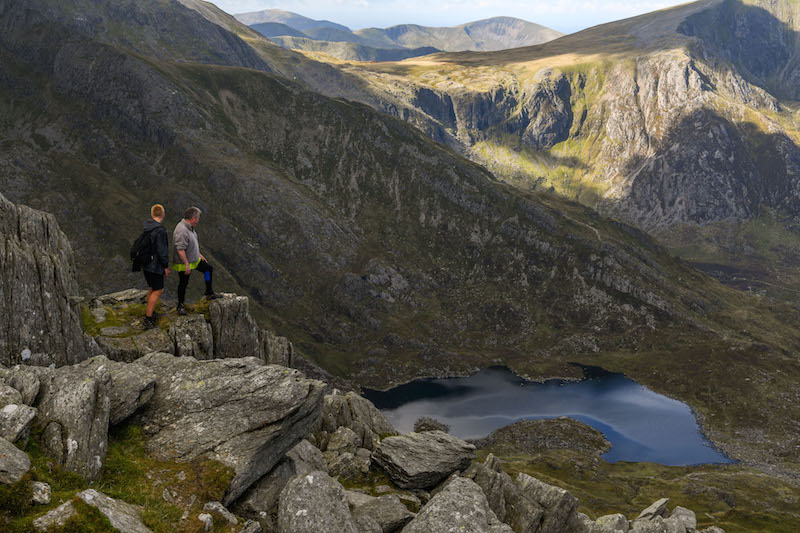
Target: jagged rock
x=656, y=524
x=657, y=508
x=243, y=413
x=41, y=493
x=38, y=296
x=132, y=387
x=356, y=413
x=9, y=395
x=276, y=350
x=560, y=507
x=612, y=523
x=125, y=297
x=218, y=508
x=24, y=380
x=685, y=517
x=192, y=337
x=207, y=520
x=421, y=460
x=122, y=516
x=504, y=496
x=344, y=440
x=129, y=349
x=74, y=407
x=343, y=466
x=363, y=460
x=14, y=463
x=313, y=503
x=427, y=423
x=15, y=422
x=461, y=507
x=235, y=331
x=387, y=510
x=261, y=500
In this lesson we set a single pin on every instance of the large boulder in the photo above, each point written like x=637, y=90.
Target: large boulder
x=192, y=337
x=261, y=500
x=243, y=413
x=461, y=507
x=39, y=292
x=123, y=517
x=74, y=405
x=612, y=523
x=357, y=414
x=505, y=498
x=422, y=460
x=14, y=463
x=130, y=348
x=24, y=380
x=132, y=386
x=387, y=510
x=560, y=507
x=314, y=503
x=16, y=421
x=276, y=350
x=657, y=508
x=9, y=395
x=236, y=333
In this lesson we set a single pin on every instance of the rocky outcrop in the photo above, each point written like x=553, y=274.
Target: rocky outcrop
x=261, y=500
x=354, y=412
x=122, y=516
x=128, y=348
x=132, y=386
x=462, y=507
x=238, y=411
x=192, y=337
x=74, y=404
x=38, y=291
x=421, y=460
x=15, y=422
x=560, y=507
x=313, y=503
x=14, y=463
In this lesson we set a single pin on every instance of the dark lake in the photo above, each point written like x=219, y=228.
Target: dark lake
x=640, y=424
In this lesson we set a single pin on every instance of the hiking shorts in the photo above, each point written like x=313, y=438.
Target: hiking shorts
x=154, y=281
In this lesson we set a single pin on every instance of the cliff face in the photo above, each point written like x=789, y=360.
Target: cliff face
x=665, y=119
x=38, y=291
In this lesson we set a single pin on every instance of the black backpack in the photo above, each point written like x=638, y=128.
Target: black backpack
x=142, y=251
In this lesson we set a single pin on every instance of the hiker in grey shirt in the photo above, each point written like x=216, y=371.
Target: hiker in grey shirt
x=186, y=257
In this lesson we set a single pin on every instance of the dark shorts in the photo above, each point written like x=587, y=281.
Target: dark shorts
x=154, y=281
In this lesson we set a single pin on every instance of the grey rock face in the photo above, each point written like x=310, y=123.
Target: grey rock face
x=9, y=395
x=344, y=440
x=14, y=463
x=15, y=422
x=505, y=498
x=461, y=507
x=356, y=413
x=421, y=460
x=192, y=337
x=41, y=493
x=656, y=524
x=313, y=503
x=685, y=517
x=367, y=524
x=238, y=411
x=560, y=507
x=24, y=380
x=261, y=500
x=235, y=331
x=132, y=386
x=387, y=510
x=277, y=350
x=129, y=349
x=38, y=296
x=657, y=508
x=122, y=516
x=74, y=408
x=342, y=466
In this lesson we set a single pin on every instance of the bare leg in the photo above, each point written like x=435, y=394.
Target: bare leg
x=152, y=300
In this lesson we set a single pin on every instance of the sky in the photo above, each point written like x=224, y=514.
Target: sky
x=563, y=15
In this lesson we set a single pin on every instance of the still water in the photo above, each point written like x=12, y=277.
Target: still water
x=640, y=424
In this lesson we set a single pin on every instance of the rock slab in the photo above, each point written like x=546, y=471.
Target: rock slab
x=422, y=460
x=14, y=463
x=314, y=503
x=122, y=516
x=240, y=412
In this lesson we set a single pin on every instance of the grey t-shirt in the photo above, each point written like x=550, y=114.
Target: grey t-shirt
x=185, y=238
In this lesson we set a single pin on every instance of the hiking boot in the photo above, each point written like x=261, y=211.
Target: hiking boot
x=212, y=296
x=181, y=310
x=149, y=322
